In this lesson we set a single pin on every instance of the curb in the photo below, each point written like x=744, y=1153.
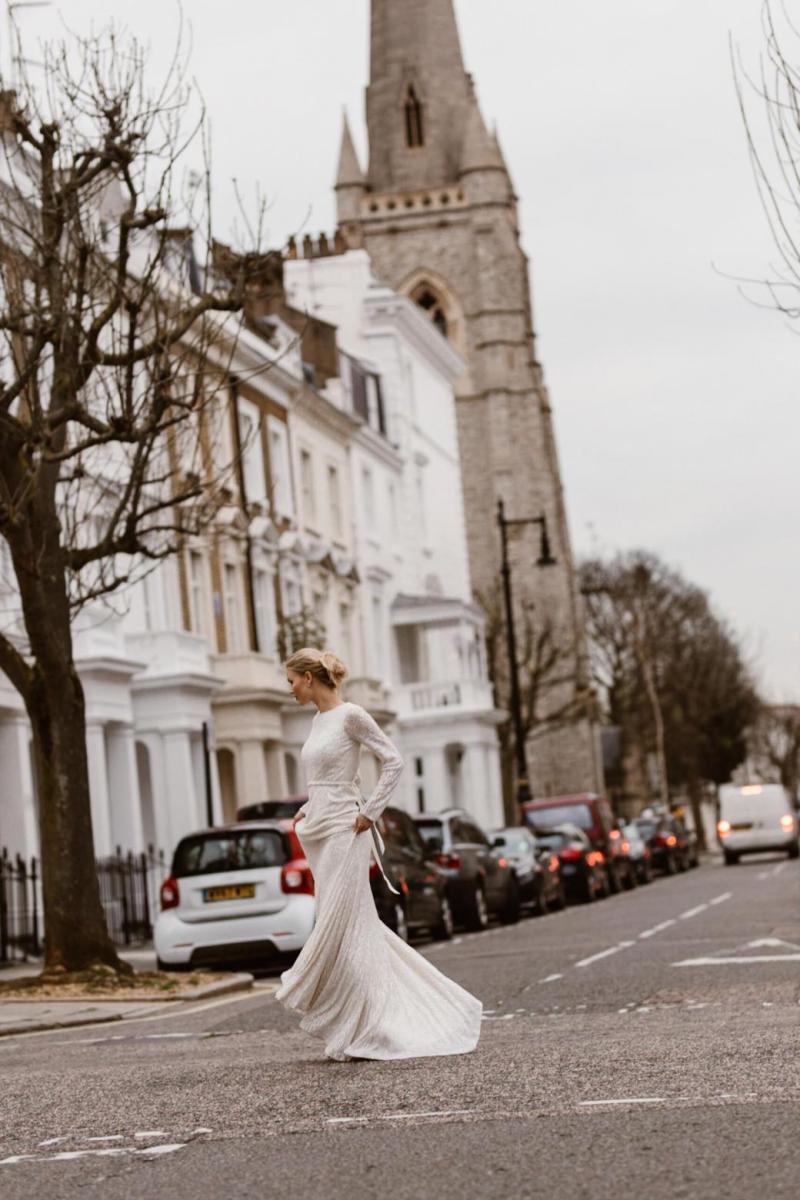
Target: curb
x=237, y=983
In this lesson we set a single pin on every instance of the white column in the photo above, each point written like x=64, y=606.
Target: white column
x=155, y=748
x=251, y=773
x=183, y=809
x=123, y=782
x=437, y=780
x=276, y=770
x=19, y=826
x=98, y=788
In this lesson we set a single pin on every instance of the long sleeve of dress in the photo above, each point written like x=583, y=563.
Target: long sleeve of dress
x=361, y=727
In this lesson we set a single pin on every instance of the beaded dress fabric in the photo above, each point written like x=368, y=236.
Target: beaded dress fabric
x=357, y=984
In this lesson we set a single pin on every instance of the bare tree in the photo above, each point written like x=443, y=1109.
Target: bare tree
x=552, y=693
x=114, y=334
x=769, y=103
x=775, y=743
x=672, y=674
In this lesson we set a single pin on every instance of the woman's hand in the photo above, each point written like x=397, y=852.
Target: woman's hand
x=362, y=823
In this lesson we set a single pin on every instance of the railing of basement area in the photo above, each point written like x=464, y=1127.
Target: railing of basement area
x=129, y=885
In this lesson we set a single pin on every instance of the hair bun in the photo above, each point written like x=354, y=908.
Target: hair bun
x=334, y=666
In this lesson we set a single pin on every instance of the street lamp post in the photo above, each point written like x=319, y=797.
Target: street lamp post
x=545, y=559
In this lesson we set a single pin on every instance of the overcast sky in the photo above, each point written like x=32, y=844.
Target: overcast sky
x=675, y=398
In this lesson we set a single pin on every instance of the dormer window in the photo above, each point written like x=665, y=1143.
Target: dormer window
x=412, y=109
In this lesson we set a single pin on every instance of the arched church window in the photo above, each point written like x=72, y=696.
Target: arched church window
x=430, y=303
x=413, y=117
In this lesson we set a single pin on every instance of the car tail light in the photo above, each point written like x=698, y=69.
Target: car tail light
x=170, y=894
x=595, y=858
x=451, y=861
x=723, y=828
x=502, y=862
x=296, y=878
x=553, y=863
x=571, y=854
x=787, y=821
x=626, y=847
x=672, y=840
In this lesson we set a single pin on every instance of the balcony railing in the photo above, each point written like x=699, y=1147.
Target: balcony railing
x=460, y=695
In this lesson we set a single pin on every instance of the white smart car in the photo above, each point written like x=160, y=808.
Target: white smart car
x=754, y=818
x=240, y=893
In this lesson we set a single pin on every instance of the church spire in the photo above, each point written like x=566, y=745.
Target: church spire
x=350, y=181
x=418, y=97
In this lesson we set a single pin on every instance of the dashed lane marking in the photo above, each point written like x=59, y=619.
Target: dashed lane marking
x=721, y=899
x=648, y=933
x=551, y=978
x=628, y=1100
x=692, y=912
x=108, y=1152
x=585, y=962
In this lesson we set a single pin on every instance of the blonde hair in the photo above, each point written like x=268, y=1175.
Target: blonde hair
x=323, y=665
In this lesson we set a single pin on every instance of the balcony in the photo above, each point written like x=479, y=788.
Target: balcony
x=250, y=673
x=459, y=696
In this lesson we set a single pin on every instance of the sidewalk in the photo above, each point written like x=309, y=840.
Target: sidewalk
x=32, y=1016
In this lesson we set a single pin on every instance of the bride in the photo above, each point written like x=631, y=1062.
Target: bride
x=357, y=984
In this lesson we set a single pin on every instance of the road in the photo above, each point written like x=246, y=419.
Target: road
x=643, y=1047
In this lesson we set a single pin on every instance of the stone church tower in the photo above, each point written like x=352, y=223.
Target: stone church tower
x=437, y=213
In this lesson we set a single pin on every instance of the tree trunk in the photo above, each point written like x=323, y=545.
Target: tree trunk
x=695, y=790
x=76, y=936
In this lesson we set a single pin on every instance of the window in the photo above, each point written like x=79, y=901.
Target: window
x=358, y=382
x=412, y=111
x=377, y=637
x=291, y=597
x=432, y=306
x=307, y=487
x=368, y=499
x=264, y=603
x=279, y=468
x=233, y=628
x=334, y=502
x=252, y=453
x=197, y=594
x=394, y=522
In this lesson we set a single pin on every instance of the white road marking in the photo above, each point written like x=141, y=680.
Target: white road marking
x=657, y=928
x=721, y=899
x=112, y=1151
x=109, y=1137
x=692, y=912
x=586, y=962
x=627, y=1100
x=447, y=1112
x=148, y=1133
x=551, y=978
x=725, y=962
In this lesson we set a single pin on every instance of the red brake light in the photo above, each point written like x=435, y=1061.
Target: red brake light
x=296, y=878
x=571, y=854
x=170, y=894
x=672, y=840
x=553, y=864
x=502, y=862
x=451, y=861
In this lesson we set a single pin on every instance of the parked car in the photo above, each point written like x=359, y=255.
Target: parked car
x=423, y=902
x=620, y=851
x=754, y=818
x=479, y=882
x=668, y=842
x=638, y=852
x=582, y=867
x=538, y=870
x=238, y=893
x=271, y=810
x=592, y=814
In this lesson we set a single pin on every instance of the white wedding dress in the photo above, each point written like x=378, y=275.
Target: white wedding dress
x=358, y=985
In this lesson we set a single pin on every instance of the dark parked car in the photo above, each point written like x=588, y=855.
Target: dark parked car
x=592, y=814
x=271, y=810
x=638, y=852
x=669, y=843
x=538, y=870
x=582, y=867
x=423, y=902
x=480, y=882
x=620, y=850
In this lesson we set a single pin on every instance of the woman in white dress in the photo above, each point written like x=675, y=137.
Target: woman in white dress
x=357, y=984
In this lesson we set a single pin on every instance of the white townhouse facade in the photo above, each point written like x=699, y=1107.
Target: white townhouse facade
x=424, y=639
x=345, y=510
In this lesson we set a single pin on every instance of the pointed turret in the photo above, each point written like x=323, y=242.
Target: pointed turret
x=350, y=181
x=418, y=97
x=483, y=171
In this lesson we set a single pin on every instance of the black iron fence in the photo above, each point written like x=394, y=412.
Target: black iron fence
x=129, y=887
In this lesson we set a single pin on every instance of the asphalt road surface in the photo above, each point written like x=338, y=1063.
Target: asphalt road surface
x=647, y=1047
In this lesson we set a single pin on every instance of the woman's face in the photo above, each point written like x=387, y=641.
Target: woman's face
x=300, y=686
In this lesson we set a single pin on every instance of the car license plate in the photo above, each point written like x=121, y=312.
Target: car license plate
x=568, y=870
x=234, y=891
x=742, y=825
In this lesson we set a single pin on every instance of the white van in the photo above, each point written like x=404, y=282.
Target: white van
x=756, y=817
